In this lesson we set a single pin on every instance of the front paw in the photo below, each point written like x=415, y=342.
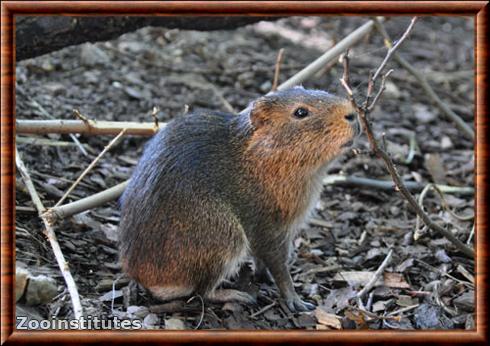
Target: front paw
x=297, y=305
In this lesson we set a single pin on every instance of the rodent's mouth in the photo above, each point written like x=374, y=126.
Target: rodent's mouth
x=348, y=144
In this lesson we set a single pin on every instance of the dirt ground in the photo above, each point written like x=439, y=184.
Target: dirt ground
x=429, y=284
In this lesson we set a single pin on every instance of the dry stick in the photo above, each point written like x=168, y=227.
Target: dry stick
x=456, y=119
x=418, y=231
x=264, y=309
x=91, y=127
x=50, y=234
x=389, y=185
x=363, y=113
x=92, y=164
x=154, y=113
x=377, y=274
x=392, y=50
x=277, y=69
x=64, y=211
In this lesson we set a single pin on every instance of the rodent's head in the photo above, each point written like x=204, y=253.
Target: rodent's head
x=309, y=127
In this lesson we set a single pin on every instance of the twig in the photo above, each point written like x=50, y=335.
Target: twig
x=202, y=308
x=277, y=69
x=87, y=203
x=418, y=232
x=82, y=117
x=392, y=49
x=154, y=113
x=456, y=119
x=377, y=274
x=92, y=164
x=363, y=115
x=389, y=185
x=437, y=270
x=380, y=91
x=402, y=310
x=264, y=309
x=50, y=234
x=468, y=242
x=91, y=128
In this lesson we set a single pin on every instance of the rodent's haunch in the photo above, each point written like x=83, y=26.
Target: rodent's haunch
x=214, y=188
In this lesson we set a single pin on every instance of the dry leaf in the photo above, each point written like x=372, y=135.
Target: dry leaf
x=356, y=278
x=358, y=318
x=395, y=280
x=328, y=319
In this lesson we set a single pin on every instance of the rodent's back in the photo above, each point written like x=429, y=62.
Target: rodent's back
x=187, y=162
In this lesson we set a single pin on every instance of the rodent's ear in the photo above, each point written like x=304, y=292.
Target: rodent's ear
x=259, y=114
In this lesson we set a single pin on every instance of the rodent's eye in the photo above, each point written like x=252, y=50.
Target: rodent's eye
x=301, y=113
x=350, y=117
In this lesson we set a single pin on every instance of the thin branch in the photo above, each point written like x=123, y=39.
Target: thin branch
x=466, y=129
x=380, y=91
x=91, y=128
x=92, y=164
x=264, y=309
x=400, y=186
x=154, y=113
x=277, y=69
x=64, y=211
x=392, y=50
x=377, y=274
x=389, y=185
x=51, y=235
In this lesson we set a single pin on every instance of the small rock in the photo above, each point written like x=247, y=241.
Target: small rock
x=54, y=88
x=429, y=316
x=446, y=143
x=137, y=311
x=40, y=290
x=131, y=46
x=90, y=55
x=442, y=256
x=151, y=321
x=21, y=279
x=422, y=113
x=174, y=323
x=392, y=90
x=266, y=86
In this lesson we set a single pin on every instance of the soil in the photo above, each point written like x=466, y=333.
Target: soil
x=428, y=284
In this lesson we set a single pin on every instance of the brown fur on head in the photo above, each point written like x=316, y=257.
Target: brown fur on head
x=295, y=133
x=309, y=127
